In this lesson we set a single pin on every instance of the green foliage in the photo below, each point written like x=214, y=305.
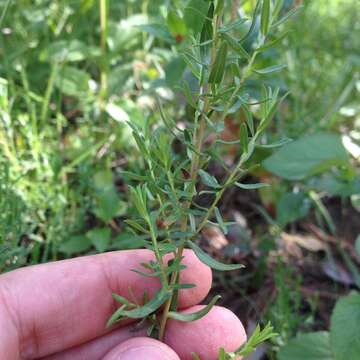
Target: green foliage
x=108, y=132
x=312, y=346
x=256, y=338
x=342, y=342
x=344, y=330
x=307, y=156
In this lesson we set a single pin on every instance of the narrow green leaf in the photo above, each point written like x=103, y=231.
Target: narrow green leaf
x=218, y=68
x=193, y=65
x=244, y=138
x=272, y=43
x=116, y=316
x=222, y=354
x=277, y=8
x=209, y=261
x=251, y=186
x=265, y=17
x=182, y=286
x=269, y=116
x=133, y=176
x=136, y=226
x=121, y=300
x=220, y=220
x=249, y=119
x=150, y=307
x=209, y=180
x=195, y=356
x=289, y=15
x=219, y=7
x=188, y=317
x=275, y=144
x=235, y=24
x=253, y=22
x=236, y=46
x=269, y=70
x=257, y=337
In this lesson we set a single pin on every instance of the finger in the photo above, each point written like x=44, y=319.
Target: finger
x=219, y=328
x=96, y=349
x=59, y=305
x=142, y=348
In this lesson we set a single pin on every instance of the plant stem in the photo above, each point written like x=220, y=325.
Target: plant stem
x=103, y=5
x=198, y=139
x=48, y=92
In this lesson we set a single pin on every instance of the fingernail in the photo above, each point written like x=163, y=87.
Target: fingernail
x=145, y=352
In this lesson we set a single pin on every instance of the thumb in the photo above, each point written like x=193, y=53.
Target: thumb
x=141, y=348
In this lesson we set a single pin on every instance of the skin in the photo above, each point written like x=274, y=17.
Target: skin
x=58, y=311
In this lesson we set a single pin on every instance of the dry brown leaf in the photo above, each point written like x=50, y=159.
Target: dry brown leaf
x=215, y=237
x=307, y=242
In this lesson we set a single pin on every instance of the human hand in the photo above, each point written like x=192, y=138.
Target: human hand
x=58, y=311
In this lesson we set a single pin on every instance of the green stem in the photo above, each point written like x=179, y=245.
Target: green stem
x=198, y=139
x=48, y=92
x=103, y=6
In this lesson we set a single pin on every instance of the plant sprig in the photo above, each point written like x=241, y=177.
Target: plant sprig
x=170, y=219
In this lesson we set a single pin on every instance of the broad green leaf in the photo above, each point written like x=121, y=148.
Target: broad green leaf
x=251, y=186
x=307, y=156
x=218, y=68
x=209, y=180
x=311, y=346
x=209, y=261
x=108, y=204
x=188, y=317
x=357, y=244
x=265, y=17
x=336, y=186
x=194, y=15
x=68, y=51
x=291, y=207
x=174, y=71
x=158, y=30
x=76, y=244
x=100, y=238
x=175, y=23
x=344, y=329
x=73, y=81
x=270, y=69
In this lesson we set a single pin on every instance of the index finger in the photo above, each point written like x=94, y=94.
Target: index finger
x=59, y=305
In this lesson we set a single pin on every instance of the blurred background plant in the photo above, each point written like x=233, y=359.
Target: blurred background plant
x=72, y=73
